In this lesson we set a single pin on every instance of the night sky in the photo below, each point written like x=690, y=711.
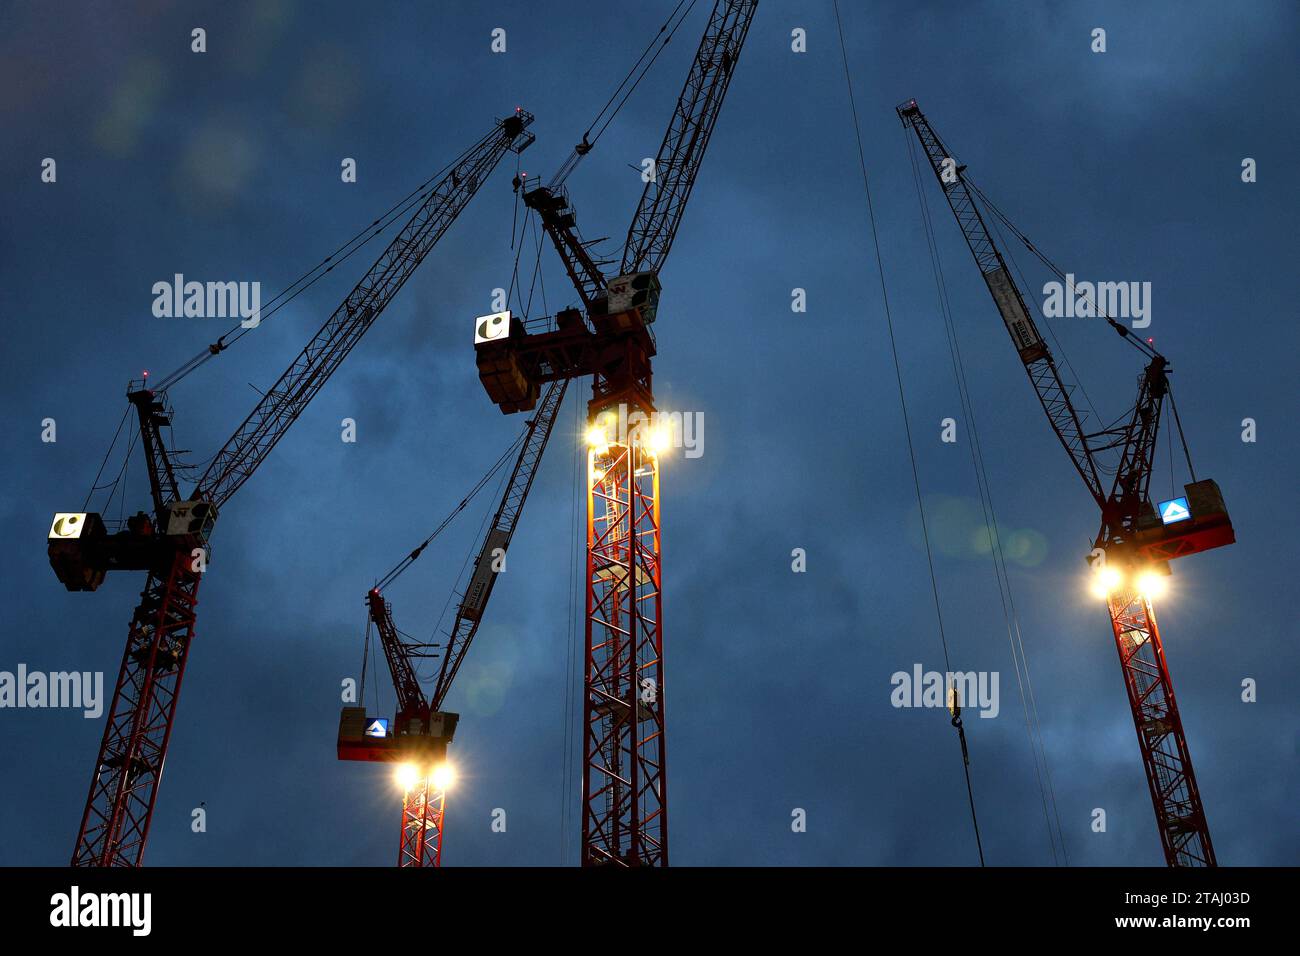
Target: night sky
x=1123, y=165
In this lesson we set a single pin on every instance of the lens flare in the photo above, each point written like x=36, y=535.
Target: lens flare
x=1105, y=580
x=407, y=775
x=1152, y=585
x=444, y=775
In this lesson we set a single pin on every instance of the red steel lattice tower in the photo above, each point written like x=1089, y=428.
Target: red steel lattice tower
x=624, y=800
x=1184, y=834
x=115, y=824
x=624, y=779
x=422, y=807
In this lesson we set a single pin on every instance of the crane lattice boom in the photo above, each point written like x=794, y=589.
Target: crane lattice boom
x=1041, y=367
x=171, y=546
x=285, y=400
x=496, y=542
x=1134, y=544
x=422, y=731
x=663, y=201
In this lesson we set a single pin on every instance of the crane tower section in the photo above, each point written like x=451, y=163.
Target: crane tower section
x=625, y=802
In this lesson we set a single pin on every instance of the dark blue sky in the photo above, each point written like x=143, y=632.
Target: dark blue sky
x=1122, y=166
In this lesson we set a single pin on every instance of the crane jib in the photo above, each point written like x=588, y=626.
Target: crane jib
x=1021, y=327
x=286, y=399
x=1137, y=539
x=1052, y=390
x=485, y=572
x=124, y=785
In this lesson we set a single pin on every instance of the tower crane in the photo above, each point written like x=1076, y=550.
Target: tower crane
x=421, y=730
x=609, y=338
x=1136, y=540
x=624, y=792
x=170, y=544
x=418, y=742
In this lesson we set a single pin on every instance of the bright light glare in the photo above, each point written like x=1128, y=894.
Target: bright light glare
x=596, y=436
x=407, y=776
x=444, y=775
x=1153, y=585
x=661, y=439
x=1104, y=580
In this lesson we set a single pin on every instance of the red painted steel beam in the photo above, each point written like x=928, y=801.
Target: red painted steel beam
x=1184, y=833
x=115, y=823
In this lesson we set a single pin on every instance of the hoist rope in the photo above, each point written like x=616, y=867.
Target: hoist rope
x=1148, y=350
x=309, y=278
x=515, y=284
x=537, y=275
x=514, y=209
x=365, y=657
x=411, y=558
x=571, y=682
x=584, y=147
x=1011, y=619
x=1181, y=437
x=907, y=428
x=379, y=685
x=95, y=485
x=1155, y=448
x=121, y=479
x=117, y=483
x=456, y=590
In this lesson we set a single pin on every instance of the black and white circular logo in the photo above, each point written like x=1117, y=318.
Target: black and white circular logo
x=490, y=327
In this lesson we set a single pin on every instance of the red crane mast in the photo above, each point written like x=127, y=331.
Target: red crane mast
x=624, y=787
x=609, y=338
